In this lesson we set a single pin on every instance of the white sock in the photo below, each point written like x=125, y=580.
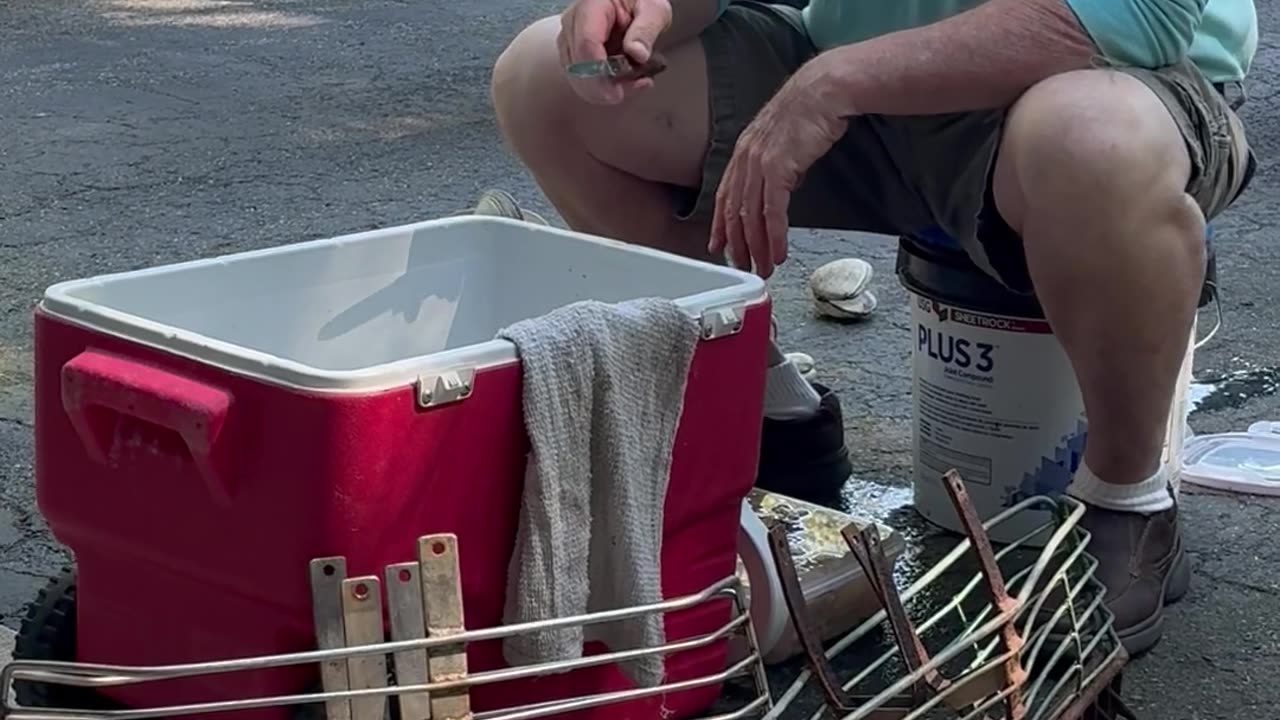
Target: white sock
x=787, y=395
x=1149, y=496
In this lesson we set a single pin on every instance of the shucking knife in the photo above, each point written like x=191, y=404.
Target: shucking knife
x=618, y=67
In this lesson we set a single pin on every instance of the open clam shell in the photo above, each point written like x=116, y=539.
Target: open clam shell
x=840, y=289
x=855, y=308
x=840, y=279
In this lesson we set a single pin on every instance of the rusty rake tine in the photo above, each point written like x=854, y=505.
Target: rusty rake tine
x=859, y=551
x=1100, y=699
x=866, y=548
x=1015, y=676
x=902, y=626
x=851, y=538
x=1122, y=711
x=1108, y=706
x=1115, y=707
x=799, y=609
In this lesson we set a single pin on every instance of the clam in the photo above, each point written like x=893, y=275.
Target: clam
x=856, y=308
x=840, y=289
x=804, y=362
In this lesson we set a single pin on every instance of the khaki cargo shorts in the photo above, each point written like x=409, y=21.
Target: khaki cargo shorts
x=904, y=175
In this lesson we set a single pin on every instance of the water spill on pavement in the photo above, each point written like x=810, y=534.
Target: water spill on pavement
x=869, y=498
x=1233, y=389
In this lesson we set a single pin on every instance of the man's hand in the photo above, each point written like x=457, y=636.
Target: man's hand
x=787, y=136
x=594, y=29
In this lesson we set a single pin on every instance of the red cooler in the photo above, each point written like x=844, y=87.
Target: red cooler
x=205, y=429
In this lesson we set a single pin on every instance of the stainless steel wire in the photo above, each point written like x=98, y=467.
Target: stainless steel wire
x=1068, y=642
x=99, y=676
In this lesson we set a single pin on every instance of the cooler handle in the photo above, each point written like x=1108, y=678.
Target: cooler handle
x=98, y=389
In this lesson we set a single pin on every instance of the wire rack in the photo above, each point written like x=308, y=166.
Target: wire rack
x=1019, y=634
x=428, y=643
x=1039, y=645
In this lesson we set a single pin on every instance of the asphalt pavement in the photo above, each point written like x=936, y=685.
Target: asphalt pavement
x=141, y=132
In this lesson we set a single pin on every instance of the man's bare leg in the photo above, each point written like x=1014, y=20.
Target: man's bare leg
x=608, y=170
x=612, y=171
x=1092, y=174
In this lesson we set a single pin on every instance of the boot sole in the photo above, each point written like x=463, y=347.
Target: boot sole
x=1145, y=635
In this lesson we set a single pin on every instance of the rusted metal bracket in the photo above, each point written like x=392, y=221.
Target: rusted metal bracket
x=864, y=543
x=836, y=697
x=1015, y=675
x=866, y=549
x=1100, y=699
x=998, y=681
x=865, y=546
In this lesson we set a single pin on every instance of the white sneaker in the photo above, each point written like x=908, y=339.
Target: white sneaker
x=803, y=361
x=500, y=203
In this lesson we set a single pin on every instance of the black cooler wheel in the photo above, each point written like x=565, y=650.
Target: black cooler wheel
x=48, y=632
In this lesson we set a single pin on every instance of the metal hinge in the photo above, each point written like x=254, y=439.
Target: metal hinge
x=446, y=387
x=722, y=321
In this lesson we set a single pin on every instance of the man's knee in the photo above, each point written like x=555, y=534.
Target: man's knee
x=659, y=133
x=528, y=94
x=1100, y=137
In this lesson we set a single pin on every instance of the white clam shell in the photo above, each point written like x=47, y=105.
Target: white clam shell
x=840, y=279
x=855, y=308
x=804, y=362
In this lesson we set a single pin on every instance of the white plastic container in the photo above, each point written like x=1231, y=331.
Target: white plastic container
x=1265, y=427
x=1235, y=462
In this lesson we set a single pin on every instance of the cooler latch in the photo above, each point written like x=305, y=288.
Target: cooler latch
x=722, y=321
x=446, y=387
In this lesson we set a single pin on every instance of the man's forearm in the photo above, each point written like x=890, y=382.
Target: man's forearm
x=983, y=58
x=688, y=19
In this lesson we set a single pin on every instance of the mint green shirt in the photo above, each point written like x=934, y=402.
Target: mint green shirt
x=1219, y=36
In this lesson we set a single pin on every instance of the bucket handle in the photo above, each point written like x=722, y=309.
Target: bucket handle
x=1217, y=306
x=99, y=390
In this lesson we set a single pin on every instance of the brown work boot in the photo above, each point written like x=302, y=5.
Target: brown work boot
x=1142, y=564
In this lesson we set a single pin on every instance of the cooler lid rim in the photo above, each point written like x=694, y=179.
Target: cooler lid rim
x=59, y=302
x=292, y=374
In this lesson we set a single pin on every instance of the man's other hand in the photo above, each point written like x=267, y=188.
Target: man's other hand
x=789, y=134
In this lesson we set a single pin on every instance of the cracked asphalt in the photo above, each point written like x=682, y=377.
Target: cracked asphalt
x=139, y=132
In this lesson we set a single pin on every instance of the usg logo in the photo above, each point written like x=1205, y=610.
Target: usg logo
x=933, y=308
x=955, y=351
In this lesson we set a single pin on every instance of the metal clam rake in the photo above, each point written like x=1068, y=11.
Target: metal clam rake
x=1039, y=646
x=427, y=650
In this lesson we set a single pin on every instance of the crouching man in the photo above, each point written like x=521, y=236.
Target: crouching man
x=1074, y=148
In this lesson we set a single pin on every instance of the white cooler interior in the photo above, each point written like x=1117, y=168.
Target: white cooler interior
x=353, y=303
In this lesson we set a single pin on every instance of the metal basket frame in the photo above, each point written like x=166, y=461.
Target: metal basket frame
x=444, y=692
x=1006, y=641
x=1008, y=647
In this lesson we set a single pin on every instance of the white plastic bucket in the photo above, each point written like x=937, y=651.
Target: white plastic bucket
x=994, y=395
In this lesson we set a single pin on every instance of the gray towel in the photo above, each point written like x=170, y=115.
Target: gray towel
x=603, y=391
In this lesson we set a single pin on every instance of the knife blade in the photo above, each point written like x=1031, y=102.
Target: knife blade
x=618, y=67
